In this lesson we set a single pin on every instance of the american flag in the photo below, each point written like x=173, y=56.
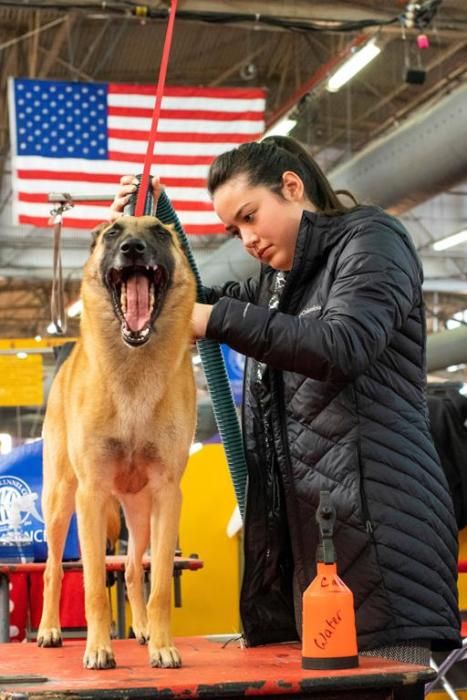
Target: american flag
x=81, y=137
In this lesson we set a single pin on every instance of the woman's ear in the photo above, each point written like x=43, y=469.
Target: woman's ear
x=293, y=188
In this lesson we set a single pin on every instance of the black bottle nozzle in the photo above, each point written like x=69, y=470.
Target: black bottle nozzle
x=326, y=518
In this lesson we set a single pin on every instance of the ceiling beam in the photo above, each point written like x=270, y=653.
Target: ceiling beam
x=298, y=10
x=32, y=32
x=316, y=79
x=52, y=53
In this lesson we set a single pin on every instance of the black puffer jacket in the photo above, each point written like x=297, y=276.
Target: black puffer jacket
x=346, y=352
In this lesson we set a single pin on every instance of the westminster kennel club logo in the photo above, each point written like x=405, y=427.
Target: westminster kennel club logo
x=17, y=507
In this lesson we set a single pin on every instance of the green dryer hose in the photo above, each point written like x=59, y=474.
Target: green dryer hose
x=216, y=375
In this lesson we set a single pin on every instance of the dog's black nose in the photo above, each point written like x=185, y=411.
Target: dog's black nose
x=133, y=246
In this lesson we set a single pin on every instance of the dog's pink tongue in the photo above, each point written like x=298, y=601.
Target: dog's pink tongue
x=137, y=302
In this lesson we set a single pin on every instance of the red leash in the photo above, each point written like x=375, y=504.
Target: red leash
x=139, y=209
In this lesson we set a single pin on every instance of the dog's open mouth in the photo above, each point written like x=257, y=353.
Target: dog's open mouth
x=137, y=294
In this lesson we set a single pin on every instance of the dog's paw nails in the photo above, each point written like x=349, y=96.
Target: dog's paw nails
x=165, y=657
x=142, y=637
x=51, y=637
x=99, y=659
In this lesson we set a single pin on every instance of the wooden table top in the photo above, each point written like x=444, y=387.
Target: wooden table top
x=211, y=668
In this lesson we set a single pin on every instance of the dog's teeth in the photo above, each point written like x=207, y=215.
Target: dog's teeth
x=123, y=298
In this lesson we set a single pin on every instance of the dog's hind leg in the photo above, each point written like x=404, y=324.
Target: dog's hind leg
x=91, y=506
x=137, y=509
x=57, y=507
x=164, y=530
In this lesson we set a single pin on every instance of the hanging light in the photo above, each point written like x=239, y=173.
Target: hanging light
x=353, y=65
x=281, y=128
x=449, y=241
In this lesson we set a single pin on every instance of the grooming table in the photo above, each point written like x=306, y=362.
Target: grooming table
x=212, y=669
x=112, y=563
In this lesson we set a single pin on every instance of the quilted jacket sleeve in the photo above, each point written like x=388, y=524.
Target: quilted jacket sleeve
x=377, y=283
x=244, y=291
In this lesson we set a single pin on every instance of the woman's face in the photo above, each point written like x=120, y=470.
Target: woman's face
x=266, y=223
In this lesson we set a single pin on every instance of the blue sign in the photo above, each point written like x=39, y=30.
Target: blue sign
x=235, y=366
x=21, y=523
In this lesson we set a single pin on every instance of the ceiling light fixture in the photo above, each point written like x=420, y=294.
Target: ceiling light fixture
x=449, y=241
x=281, y=128
x=357, y=61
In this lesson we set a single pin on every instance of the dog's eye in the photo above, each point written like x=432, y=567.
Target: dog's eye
x=112, y=232
x=161, y=232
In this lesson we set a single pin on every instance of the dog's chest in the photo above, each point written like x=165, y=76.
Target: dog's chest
x=132, y=466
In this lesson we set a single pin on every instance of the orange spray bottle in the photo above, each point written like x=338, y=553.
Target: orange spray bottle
x=329, y=639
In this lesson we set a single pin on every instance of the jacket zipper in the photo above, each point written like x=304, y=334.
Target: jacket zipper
x=363, y=499
x=295, y=532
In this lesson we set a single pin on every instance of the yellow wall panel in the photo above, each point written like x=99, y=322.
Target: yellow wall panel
x=209, y=596
x=21, y=381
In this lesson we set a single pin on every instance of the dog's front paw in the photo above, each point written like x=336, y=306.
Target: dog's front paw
x=99, y=657
x=140, y=632
x=49, y=637
x=141, y=636
x=164, y=657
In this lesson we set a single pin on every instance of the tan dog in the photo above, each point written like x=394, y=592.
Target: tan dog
x=120, y=422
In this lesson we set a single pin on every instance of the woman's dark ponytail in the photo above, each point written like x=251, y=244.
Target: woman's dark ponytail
x=264, y=163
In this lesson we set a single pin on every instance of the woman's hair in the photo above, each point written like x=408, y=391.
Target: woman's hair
x=264, y=162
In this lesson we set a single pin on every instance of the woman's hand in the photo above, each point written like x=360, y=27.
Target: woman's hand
x=128, y=185
x=200, y=319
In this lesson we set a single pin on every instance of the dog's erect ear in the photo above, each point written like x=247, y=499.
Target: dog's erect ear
x=95, y=234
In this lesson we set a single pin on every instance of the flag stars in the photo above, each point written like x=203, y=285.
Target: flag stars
x=60, y=119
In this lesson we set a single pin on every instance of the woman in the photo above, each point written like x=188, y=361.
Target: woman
x=334, y=400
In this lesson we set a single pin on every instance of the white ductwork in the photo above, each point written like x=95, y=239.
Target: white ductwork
x=229, y=262
x=424, y=156
x=446, y=348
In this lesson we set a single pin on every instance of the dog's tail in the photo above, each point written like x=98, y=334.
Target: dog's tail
x=113, y=522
